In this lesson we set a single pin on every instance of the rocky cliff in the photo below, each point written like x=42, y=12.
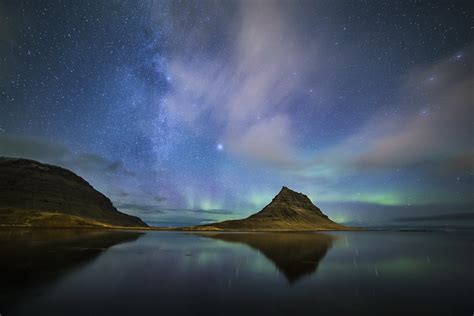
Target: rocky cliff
x=37, y=194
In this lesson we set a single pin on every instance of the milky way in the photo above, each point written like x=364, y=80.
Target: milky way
x=189, y=112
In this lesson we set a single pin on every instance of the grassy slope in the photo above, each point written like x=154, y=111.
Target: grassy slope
x=302, y=223
x=45, y=219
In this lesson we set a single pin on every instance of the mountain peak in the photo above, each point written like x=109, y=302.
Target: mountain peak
x=288, y=198
x=285, y=191
x=286, y=202
x=289, y=210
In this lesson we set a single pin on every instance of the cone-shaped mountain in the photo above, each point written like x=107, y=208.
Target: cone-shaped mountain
x=289, y=210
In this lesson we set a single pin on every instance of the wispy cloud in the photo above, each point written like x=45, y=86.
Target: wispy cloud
x=427, y=126
x=56, y=153
x=249, y=88
x=435, y=120
x=138, y=208
x=32, y=148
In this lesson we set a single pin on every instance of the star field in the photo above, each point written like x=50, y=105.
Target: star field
x=185, y=112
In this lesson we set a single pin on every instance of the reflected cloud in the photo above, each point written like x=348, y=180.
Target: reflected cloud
x=296, y=255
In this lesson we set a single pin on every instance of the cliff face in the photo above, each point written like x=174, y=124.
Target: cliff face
x=37, y=194
x=289, y=210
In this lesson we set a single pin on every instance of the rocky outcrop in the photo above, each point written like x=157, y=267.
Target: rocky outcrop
x=289, y=210
x=37, y=194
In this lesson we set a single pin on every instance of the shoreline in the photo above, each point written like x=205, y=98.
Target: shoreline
x=174, y=229
x=189, y=230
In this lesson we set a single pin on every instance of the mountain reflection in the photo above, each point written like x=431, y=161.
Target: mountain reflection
x=32, y=258
x=294, y=254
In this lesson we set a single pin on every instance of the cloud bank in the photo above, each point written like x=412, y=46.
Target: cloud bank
x=431, y=129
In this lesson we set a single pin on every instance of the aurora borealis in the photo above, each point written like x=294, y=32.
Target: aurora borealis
x=190, y=112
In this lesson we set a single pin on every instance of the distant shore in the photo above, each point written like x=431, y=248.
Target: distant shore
x=174, y=229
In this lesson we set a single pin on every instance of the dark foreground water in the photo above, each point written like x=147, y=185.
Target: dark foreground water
x=79, y=272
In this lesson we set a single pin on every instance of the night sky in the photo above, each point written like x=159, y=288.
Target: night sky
x=188, y=112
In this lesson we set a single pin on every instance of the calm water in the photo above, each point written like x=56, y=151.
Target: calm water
x=164, y=273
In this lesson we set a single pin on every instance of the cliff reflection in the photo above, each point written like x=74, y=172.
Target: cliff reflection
x=34, y=257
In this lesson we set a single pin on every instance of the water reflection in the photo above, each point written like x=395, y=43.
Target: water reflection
x=294, y=254
x=168, y=273
x=33, y=258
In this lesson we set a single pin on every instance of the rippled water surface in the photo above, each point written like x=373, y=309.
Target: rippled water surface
x=80, y=272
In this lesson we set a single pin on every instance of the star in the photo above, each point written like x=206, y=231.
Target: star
x=249, y=104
